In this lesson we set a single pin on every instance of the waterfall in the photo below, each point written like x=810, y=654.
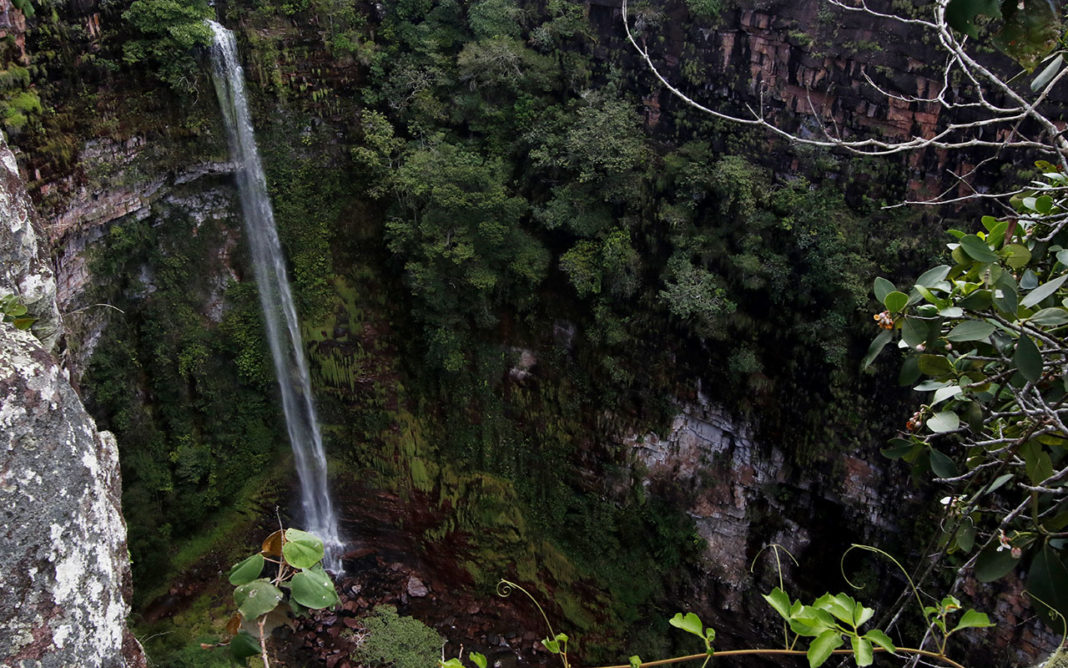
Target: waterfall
x=279, y=313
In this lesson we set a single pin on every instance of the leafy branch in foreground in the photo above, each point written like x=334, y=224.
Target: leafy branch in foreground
x=986, y=337
x=828, y=622
x=296, y=581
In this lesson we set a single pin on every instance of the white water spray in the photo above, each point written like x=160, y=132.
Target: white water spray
x=279, y=313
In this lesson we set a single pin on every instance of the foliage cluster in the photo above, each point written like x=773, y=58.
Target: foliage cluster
x=393, y=640
x=295, y=582
x=985, y=336
x=12, y=310
x=168, y=31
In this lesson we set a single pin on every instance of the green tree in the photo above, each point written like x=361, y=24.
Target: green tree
x=167, y=32
x=456, y=227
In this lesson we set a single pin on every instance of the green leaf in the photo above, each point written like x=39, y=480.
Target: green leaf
x=1028, y=359
x=1005, y=297
x=994, y=564
x=979, y=300
x=910, y=371
x=896, y=301
x=302, y=549
x=313, y=589
x=971, y=330
x=876, y=347
x=635, y=661
x=998, y=483
x=882, y=288
x=690, y=623
x=478, y=659
x=246, y=570
x=257, y=598
x=935, y=365
x=977, y=249
x=861, y=614
x=944, y=393
x=1047, y=580
x=1016, y=256
x=899, y=447
x=996, y=237
x=933, y=276
x=1044, y=204
x=973, y=620
x=931, y=297
x=552, y=645
x=915, y=331
x=841, y=606
x=1043, y=291
x=928, y=385
x=966, y=537
x=779, y=601
x=862, y=650
x=943, y=422
x=1037, y=461
x=942, y=465
x=881, y=639
x=451, y=663
x=242, y=646
x=1050, y=317
x=821, y=648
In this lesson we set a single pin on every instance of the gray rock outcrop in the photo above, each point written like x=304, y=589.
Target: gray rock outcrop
x=62, y=590
x=65, y=583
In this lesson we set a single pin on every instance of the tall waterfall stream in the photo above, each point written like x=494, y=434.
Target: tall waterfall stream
x=276, y=298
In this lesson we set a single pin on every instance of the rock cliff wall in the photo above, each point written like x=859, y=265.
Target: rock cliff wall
x=25, y=269
x=64, y=591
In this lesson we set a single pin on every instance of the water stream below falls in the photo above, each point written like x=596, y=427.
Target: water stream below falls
x=276, y=298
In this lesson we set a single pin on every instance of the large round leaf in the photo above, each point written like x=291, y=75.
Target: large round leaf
x=942, y=422
x=993, y=564
x=313, y=589
x=882, y=288
x=302, y=549
x=971, y=330
x=247, y=570
x=895, y=301
x=257, y=598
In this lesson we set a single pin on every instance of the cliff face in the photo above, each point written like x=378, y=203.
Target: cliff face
x=63, y=595
x=26, y=270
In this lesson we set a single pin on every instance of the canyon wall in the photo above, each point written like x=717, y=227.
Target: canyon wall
x=64, y=592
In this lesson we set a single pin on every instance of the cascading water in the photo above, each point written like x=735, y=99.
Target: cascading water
x=279, y=313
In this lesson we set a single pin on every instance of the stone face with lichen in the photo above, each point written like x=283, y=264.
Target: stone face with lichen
x=62, y=587
x=65, y=581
